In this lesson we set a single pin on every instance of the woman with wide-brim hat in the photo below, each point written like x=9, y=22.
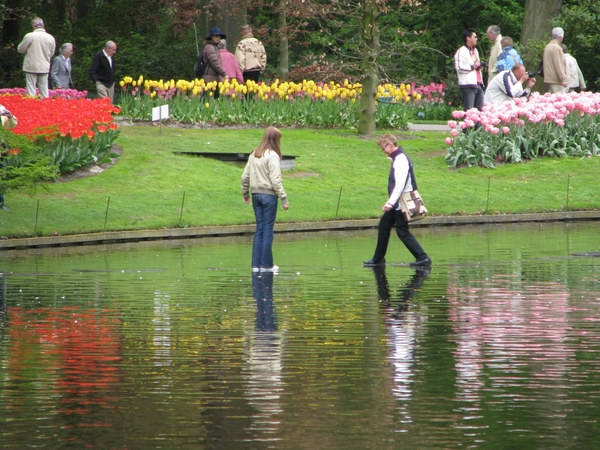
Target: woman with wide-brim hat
x=211, y=55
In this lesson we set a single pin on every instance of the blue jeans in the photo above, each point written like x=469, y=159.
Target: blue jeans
x=262, y=288
x=265, y=211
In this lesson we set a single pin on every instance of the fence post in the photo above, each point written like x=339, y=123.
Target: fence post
x=487, y=204
x=338, y=203
x=37, y=211
x=181, y=214
x=568, y=189
x=106, y=215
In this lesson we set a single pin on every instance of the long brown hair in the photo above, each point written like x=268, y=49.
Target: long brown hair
x=270, y=141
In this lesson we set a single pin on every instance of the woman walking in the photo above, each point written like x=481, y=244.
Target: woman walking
x=262, y=177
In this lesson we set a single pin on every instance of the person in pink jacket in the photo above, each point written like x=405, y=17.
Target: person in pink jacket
x=229, y=63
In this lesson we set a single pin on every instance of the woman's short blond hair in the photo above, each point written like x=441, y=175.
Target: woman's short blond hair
x=387, y=139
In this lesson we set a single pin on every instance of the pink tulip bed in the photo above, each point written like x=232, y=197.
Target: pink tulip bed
x=554, y=125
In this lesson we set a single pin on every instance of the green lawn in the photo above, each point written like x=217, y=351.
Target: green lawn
x=146, y=187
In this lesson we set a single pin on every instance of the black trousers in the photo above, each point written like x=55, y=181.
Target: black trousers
x=388, y=221
x=251, y=75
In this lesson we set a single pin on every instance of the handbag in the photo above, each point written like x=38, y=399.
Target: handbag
x=412, y=204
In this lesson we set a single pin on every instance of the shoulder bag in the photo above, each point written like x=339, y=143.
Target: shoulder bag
x=412, y=204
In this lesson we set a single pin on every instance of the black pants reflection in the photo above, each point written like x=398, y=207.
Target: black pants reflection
x=390, y=219
x=406, y=292
x=262, y=288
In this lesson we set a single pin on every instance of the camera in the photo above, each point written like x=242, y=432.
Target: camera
x=483, y=64
x=531, y=74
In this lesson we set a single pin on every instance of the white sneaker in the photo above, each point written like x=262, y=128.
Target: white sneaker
x=273, y=269
x=255, y=269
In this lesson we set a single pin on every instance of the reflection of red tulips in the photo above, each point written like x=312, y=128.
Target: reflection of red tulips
x=52, y=117
x=80, y=352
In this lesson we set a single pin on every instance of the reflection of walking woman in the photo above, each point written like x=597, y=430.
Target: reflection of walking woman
x=262, y=177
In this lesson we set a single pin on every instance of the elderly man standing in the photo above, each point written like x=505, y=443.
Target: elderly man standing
x=38, y=48
x=555, y=71
x=102, y=71
x=60, y=73
x=493, y=34
x=251, y=55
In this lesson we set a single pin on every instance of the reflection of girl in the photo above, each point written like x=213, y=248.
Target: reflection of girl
x=262, y=177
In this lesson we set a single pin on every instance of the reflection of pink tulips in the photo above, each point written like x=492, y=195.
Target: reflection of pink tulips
x=549, y=124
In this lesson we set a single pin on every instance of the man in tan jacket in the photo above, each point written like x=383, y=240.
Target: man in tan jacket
x=38, y=48
x=493, y=34
x=555, y=71
x=250, y=55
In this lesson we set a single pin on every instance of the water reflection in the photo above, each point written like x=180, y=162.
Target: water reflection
x=512, y=334
x=2, y=302
x=178, y=346
x=402, y=332
x=263, y=364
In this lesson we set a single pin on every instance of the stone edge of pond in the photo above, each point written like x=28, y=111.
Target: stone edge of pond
x=112, y=237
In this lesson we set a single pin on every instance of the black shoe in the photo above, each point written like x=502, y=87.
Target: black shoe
x=4, y=208
x=374, y=262
x=424, y=261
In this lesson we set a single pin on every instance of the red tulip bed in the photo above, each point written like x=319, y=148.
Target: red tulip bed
x=74, y=132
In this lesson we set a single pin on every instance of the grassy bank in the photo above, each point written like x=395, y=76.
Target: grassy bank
x=149, y=184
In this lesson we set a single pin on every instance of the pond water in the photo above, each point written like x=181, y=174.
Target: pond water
x=177, y=345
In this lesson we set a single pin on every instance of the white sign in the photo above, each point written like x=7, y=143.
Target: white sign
x=160, y=113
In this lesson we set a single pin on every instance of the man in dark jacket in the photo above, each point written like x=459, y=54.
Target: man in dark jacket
x=102, y=71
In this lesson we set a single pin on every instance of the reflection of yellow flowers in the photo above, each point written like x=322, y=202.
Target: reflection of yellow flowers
x=278, y=90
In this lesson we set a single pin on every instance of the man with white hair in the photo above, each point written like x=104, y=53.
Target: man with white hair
x=555, y=72
x=61, y=68
x=493, y=34
x=102, y=71
x=38, y=48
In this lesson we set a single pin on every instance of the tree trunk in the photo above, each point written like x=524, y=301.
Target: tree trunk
x=85, y=9
x=536, y=32
x=537, y=25
x=61, y=8
x=370, y=52
x=11, y=23
x=284, y=66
